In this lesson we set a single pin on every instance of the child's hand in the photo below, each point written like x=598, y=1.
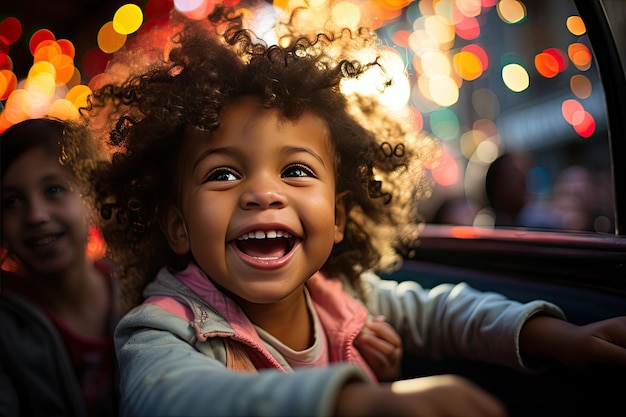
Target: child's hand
x=381, y=347
x=601, y=342
x=433, y=396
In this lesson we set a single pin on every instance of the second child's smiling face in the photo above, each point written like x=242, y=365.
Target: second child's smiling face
x=44, y=221
x=257, y=202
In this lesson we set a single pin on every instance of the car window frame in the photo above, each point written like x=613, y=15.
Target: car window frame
x=600, y=24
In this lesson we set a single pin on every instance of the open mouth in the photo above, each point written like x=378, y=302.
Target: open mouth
x=43, y=241
x=266, y=245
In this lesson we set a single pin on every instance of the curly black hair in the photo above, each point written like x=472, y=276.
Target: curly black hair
x=211, y=64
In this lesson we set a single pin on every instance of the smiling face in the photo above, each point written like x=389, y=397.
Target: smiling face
x=44, y=222
x=257, y=202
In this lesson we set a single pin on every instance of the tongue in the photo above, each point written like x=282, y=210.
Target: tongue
x=263, y=248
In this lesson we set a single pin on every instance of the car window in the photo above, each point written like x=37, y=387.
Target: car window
x=512, y=90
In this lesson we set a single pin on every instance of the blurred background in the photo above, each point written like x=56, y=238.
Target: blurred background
x=510, y=87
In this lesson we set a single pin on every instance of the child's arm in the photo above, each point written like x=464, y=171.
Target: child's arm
x=381, y=347
x=601, y=342
x=434, y=396
x=459, y=321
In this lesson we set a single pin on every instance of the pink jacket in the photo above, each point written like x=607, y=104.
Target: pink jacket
x=341, y=316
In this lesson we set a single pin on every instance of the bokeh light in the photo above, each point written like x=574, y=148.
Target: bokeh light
x=10, y=30
x=569, y=108
x=515, y=77
x=467, y=65
x=96, y=246
x=584, y=124
x=445, y=170
x=8, y=82
x=576, y=25
x=580, y=86
x=109, y=40
x=38, y=37
x=580, y=55
x=511, y=11
x=127, y=19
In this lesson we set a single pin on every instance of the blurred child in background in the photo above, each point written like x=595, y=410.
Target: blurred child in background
x=58, y=307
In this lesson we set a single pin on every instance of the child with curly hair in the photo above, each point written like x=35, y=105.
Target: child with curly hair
x=251, y=201
x=58, y=307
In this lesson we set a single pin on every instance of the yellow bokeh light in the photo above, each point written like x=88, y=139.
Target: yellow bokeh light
x=17, y=106
x=41, y=66
x=78, y=95
x=41, y=85
x=443, y=90
x=435, y=62
x=515, y=77
x=440, y=29
x=127, y=19
x=511, y=11
x=467, y=65
x=576, y=26
x=109, y=40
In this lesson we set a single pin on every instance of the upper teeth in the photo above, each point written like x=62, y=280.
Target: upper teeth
x=44, y=241
x=270, y=234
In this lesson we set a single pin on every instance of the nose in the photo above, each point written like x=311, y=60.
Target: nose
x=263, y=193
x=36, y=211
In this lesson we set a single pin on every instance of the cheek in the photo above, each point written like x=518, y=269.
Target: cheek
x=77, y=214
x=319, y=213
x=206, y=221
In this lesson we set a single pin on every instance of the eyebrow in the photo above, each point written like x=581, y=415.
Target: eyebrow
x=229, y=150
x=298, y=149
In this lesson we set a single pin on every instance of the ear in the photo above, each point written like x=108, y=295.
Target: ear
x=341, y=215
x=173, y=226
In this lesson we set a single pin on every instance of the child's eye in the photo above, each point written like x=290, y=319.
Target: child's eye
x=54, y=190
x=9, y=202
x=298, y=170
x=222, y=174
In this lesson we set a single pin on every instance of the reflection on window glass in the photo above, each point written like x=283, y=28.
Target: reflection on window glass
x=511, y=89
